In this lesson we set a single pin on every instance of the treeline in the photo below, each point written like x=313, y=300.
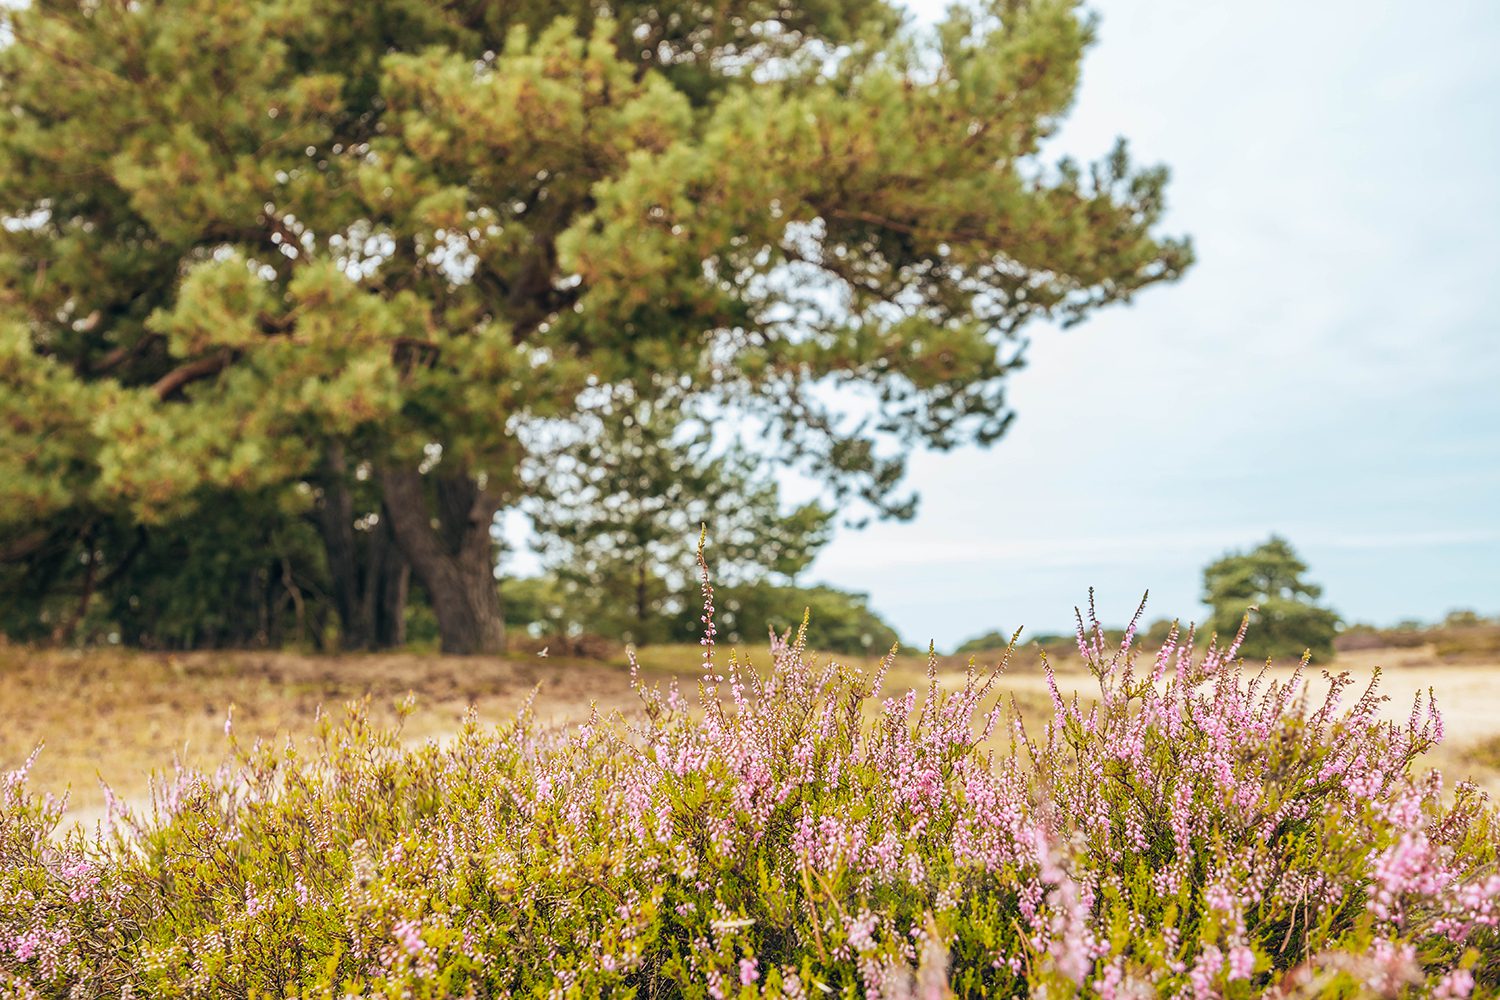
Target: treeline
x=1269, y=584
x=616, y=513
x=839, y=621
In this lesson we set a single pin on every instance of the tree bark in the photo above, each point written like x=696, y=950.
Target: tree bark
x=336, y=525
x=386, y=585
x=368, y=573
x=451, y=553
x=65, y=628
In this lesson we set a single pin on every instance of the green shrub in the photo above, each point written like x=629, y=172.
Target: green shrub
x=839, y=621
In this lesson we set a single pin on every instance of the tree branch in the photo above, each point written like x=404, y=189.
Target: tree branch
x=175, y=379
x=25, y=546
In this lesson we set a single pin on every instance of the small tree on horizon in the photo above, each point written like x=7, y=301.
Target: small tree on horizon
x=1269, y=582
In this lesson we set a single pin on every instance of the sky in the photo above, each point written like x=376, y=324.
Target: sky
x=1328, y=371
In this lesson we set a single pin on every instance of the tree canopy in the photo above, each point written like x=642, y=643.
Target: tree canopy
x=356, y=258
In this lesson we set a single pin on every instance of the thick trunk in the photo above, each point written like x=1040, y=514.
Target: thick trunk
x=368, y=574
x=452, y=554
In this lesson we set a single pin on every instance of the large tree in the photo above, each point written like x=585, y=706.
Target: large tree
x=253, y=245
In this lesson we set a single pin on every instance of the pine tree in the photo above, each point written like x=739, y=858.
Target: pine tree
x=1269, y=582
x=253, y=245
x=618, y=510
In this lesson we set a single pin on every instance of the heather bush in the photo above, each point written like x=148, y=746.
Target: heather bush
x=1192, y=830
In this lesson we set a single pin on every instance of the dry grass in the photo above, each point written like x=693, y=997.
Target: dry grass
x=116, y=715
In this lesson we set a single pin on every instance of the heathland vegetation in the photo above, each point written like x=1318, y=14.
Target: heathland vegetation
x=299, y=299
x=1189, y=830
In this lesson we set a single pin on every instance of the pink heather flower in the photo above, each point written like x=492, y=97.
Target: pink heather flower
x=26, y=945
x=1168, y=777
x=1393, y=964
x=1405, y=867
x=862, y=931
x=1456, y=985
x=408, y=934
x=1241, y=962
x=1210, y=963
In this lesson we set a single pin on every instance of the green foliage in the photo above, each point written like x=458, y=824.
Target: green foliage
x=619, y=509
x=1268, y=582
x=240, y=237
x=1159, y=631
x=989, y=641
x=541, y=605
x=243, y=571
x=839, y=621
x=1061, y=645
x=246, y=570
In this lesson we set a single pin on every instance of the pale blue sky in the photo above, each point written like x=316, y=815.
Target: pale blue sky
x=1329, y=370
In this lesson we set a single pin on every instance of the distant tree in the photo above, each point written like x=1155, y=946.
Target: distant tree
x=542, y=605
x=993, y=639
x=840, y=621
x=1155, y=635
x=246, y=571
x=617, y=513
x=265, y=243
x=1285, y=620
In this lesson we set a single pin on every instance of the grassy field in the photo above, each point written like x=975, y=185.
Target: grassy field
x=115, y=716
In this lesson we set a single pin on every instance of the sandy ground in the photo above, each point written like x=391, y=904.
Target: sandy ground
x=1467, y=694
x=111, y=718
x=115, y=717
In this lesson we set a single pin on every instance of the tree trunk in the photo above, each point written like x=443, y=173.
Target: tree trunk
x=368, y=573
x=336, y=525
x=65, y=628
x=640, y=601
x=387, y=583
x=452, y=553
